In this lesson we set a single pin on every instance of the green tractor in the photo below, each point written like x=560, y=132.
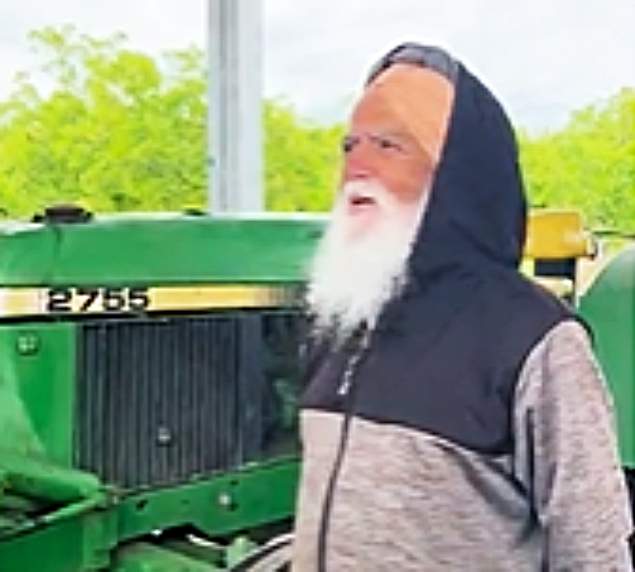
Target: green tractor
x=609, y=307
x=149, y=377
x=148, y=387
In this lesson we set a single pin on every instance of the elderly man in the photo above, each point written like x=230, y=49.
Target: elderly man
x=455, y=417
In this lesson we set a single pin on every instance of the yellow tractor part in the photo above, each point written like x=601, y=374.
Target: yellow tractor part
x=558, y=235
x=556, y=240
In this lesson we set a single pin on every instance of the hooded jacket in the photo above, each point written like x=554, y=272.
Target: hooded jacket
x=470, y=430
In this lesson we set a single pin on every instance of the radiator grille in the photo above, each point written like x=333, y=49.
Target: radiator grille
x=163, y=400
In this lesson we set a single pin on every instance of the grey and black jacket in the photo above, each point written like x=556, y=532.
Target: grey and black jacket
x=470, y=430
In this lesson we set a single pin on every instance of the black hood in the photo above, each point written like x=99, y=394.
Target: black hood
x=477, y=209
x=473, y=231
x=464, y=261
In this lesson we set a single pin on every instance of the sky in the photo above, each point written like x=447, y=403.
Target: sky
x=543, y=59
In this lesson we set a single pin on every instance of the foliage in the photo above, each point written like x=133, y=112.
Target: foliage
x=588, y=165
x=301, y=161
x=119, y=130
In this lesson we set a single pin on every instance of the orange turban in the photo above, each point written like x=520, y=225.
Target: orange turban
x=420, y=99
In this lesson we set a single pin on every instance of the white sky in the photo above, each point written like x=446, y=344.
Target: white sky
x=543, y=58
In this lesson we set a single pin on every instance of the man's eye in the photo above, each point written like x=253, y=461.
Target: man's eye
x=388, y=144
x=348, y=143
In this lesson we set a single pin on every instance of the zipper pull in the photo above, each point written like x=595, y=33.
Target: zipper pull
x=347, y=378
x=345, y=386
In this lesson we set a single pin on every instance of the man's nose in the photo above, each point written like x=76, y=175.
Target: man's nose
x=358, y=164
x=355, y=173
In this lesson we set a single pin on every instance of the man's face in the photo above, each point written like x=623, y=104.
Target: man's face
x=391, y=150
x=379, y=148
x=362, y=260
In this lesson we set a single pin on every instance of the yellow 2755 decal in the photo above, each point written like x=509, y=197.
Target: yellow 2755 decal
x=90, y=300
x=16, y=302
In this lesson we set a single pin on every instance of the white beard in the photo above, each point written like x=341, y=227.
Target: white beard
x=354, y=274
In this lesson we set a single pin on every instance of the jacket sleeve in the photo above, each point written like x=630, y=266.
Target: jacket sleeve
x=566, y=455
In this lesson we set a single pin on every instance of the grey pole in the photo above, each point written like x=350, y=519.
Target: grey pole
x=234, y=115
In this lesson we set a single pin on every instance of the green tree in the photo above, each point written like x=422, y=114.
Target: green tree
x=302, y=161
x=122, y=131
x=588, y=165
x=116, y=132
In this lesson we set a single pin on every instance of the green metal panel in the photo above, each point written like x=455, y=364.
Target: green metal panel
x=79, y=544
x=158, y=249
x=79, y=540
x=37, y=389
x=609, y=306
x=39, y=479
x=144, y=557
x=225, y=504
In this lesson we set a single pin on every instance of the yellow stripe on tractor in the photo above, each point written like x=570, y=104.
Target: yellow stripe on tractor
x=188, y=298
x=70, y=300
x=16, y=302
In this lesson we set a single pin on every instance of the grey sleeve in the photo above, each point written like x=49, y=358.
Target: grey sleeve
x=566, y=455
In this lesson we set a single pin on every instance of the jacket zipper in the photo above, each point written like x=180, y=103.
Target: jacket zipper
x=346, y=391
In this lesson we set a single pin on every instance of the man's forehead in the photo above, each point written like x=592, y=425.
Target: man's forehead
x=373, y=115
x=374, y=108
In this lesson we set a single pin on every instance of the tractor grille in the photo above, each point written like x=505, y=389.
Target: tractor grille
x=163, y=400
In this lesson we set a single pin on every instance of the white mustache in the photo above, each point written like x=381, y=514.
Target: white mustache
x=364, y=189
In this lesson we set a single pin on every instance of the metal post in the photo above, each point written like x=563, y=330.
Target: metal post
x=234, y=115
